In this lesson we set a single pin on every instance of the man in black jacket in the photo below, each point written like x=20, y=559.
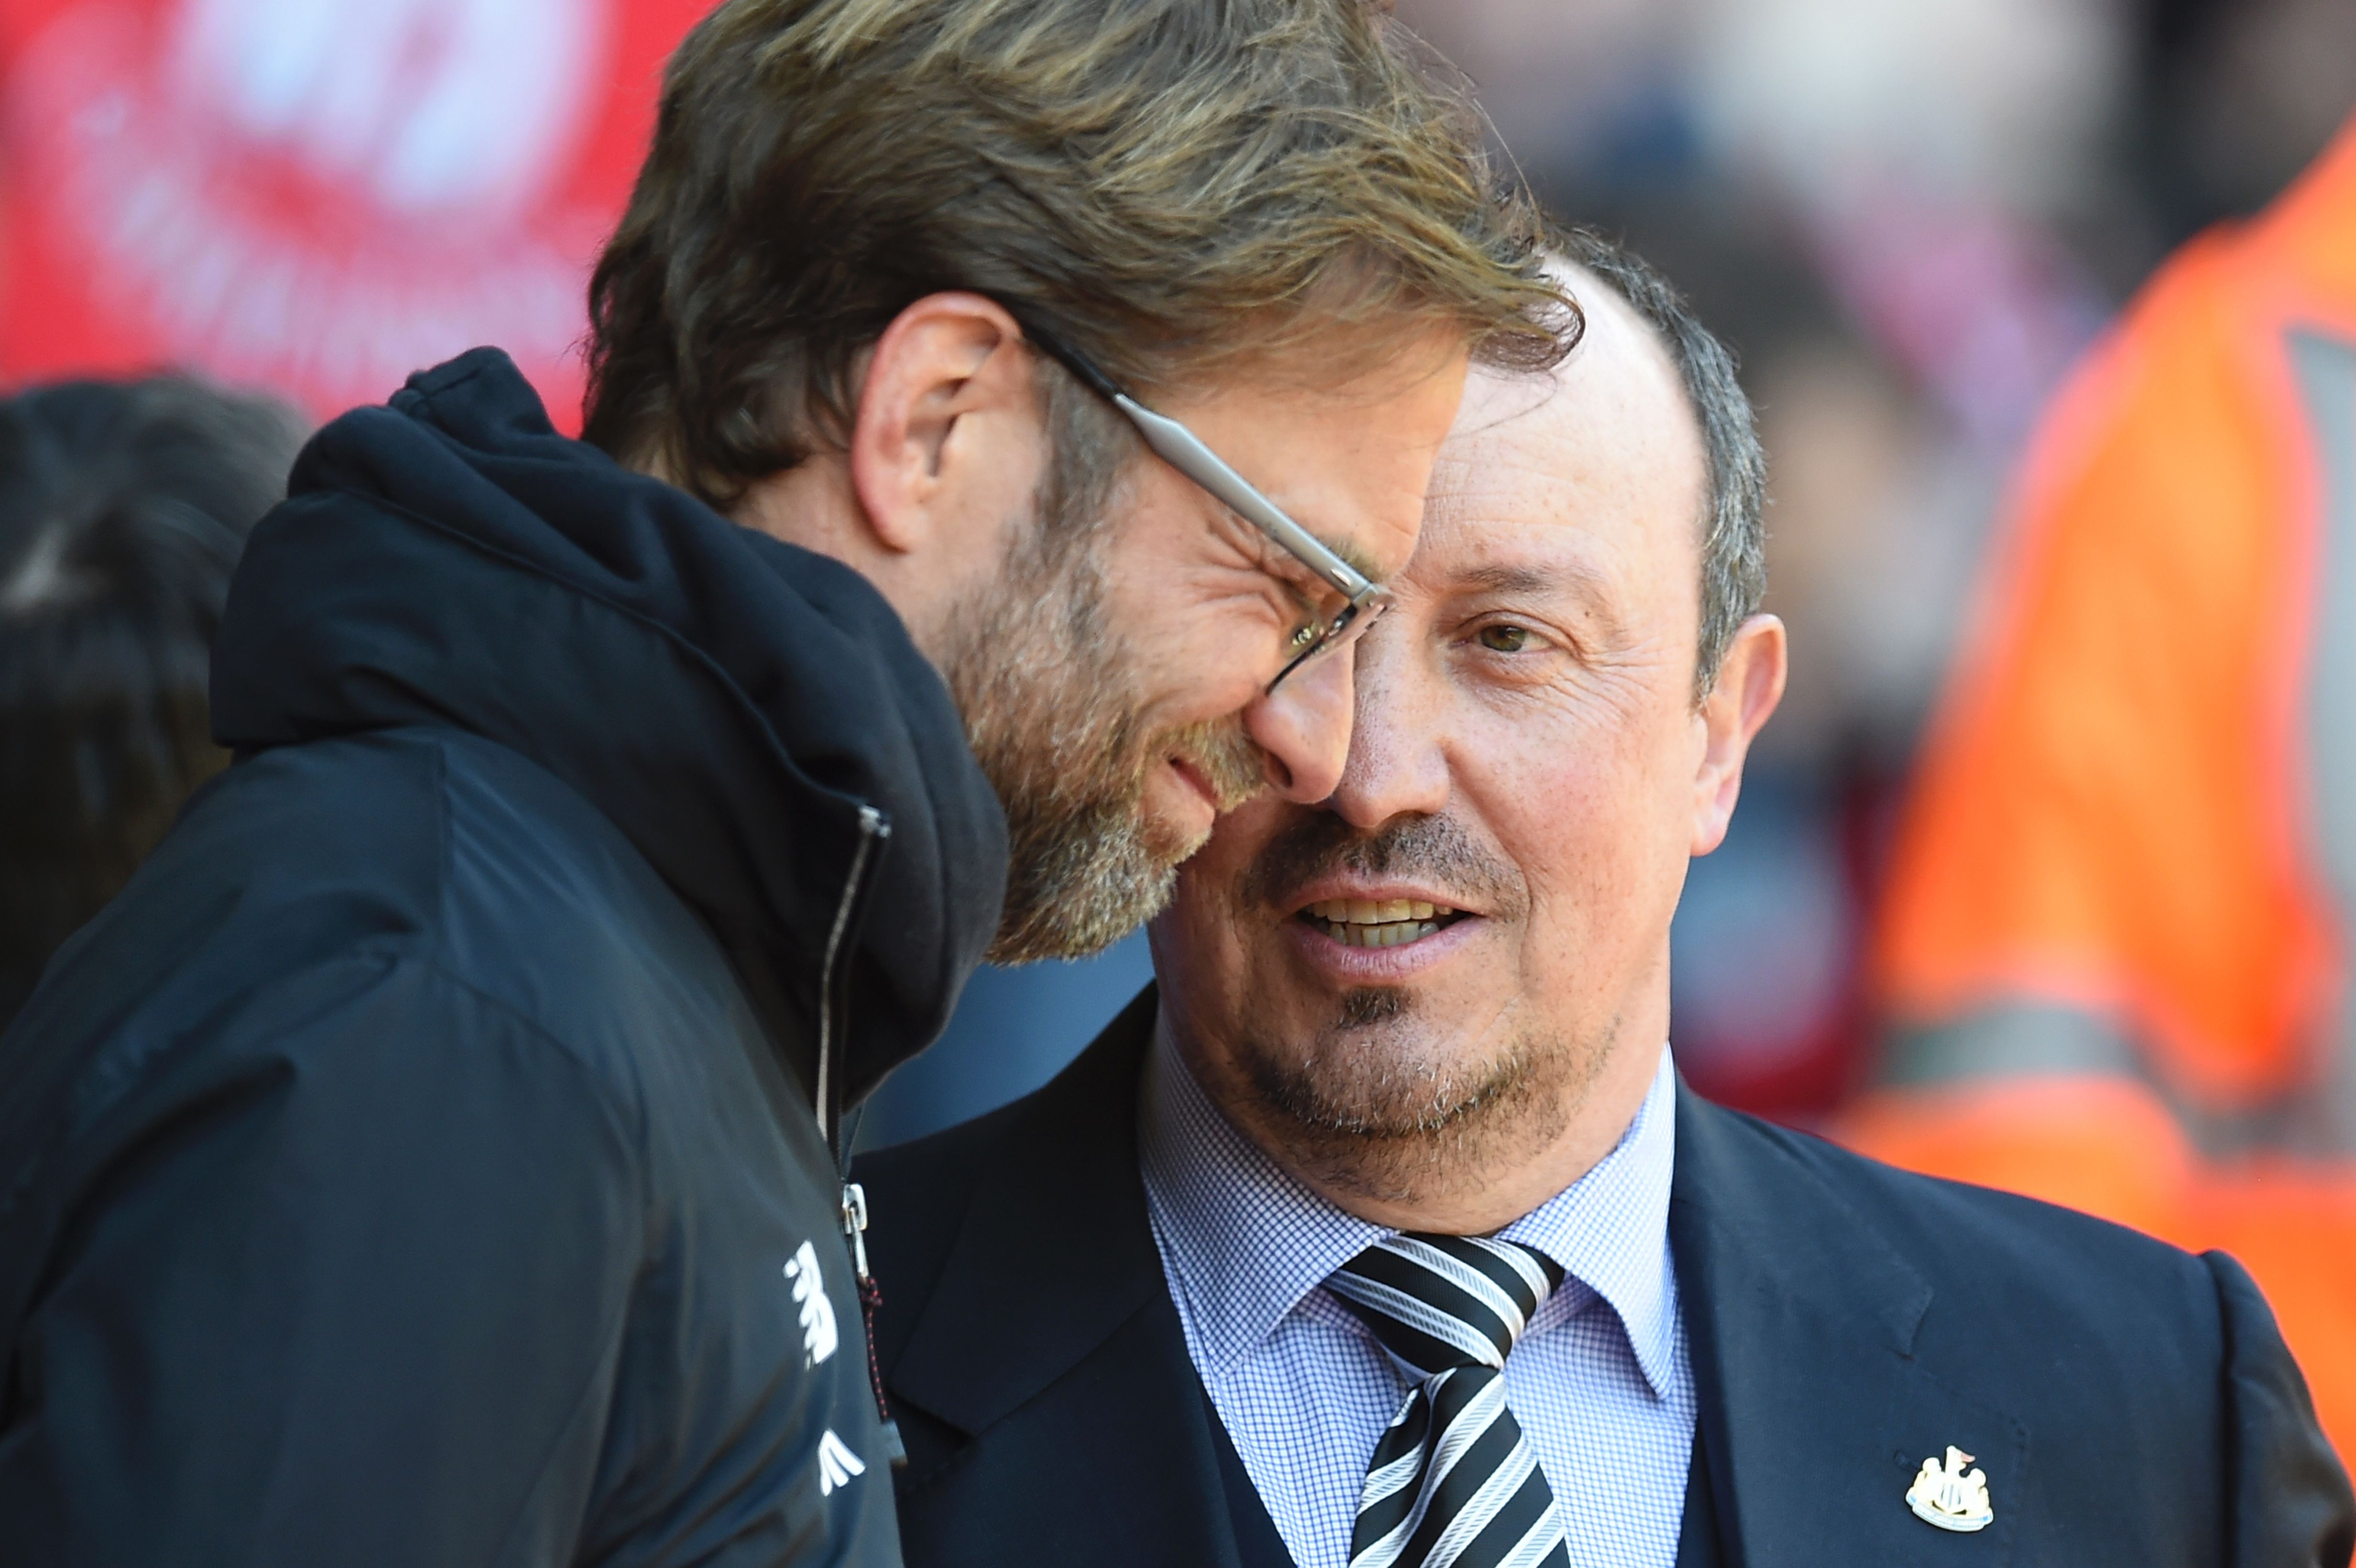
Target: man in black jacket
x=1383, y=1234
x=427, y=1159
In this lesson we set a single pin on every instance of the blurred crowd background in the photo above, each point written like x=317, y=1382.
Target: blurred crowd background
x=1910, y=217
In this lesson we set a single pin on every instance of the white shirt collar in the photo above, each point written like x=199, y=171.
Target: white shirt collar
x=1245, y=1243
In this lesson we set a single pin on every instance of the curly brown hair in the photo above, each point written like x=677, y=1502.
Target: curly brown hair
x=1171, y=186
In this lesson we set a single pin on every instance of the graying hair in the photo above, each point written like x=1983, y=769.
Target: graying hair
x=1734, y=525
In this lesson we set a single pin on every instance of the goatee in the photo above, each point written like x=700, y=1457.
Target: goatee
x=1382, y=1101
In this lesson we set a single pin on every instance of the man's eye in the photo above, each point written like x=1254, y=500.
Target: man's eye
x=1505, y=639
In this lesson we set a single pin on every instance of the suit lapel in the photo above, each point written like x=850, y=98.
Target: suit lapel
x=1801, y=1323
x=1052, y=1343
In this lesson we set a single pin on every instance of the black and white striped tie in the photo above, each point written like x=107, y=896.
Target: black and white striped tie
x=1452, y=1484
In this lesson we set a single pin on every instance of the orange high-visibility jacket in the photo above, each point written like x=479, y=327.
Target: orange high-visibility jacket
x=2116, y=952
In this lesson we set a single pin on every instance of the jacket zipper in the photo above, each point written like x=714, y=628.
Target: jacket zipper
x=872, y=830
x=832, y=1028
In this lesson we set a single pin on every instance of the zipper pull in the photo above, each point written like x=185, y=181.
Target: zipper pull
x=871, y=1296
x=854, y=1225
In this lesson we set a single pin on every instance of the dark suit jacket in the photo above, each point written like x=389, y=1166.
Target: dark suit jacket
x=2132, y=1405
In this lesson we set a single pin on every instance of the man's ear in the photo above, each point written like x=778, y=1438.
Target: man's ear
x=1750, y=683
x=947, y=436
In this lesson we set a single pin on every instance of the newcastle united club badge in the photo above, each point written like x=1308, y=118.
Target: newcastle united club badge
x=1948, y=1497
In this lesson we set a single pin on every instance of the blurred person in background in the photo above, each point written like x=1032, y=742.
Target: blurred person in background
x=2116, y=957
x=123, y=506
x=434, y=1156
x=1382, y=1230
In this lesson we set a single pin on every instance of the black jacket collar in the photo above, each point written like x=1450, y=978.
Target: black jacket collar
x=730, y=703
x=1051, y=1307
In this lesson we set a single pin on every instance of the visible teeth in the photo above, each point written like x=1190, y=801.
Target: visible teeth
x=1367, y=912
x=1383, y=934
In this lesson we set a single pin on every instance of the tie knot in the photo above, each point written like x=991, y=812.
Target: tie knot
x=1437, y=1302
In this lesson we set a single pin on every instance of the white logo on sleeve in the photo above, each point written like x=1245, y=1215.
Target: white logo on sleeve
x=836, y=1464
x=820, y=1336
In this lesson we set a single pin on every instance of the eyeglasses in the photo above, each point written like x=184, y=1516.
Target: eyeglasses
x=1364, y=600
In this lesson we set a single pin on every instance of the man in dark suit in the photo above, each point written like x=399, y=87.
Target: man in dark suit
x=1382, y=1233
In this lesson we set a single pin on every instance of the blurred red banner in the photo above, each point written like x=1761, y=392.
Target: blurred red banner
x=316, y=196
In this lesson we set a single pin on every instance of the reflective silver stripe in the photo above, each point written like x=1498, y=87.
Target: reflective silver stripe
x=2325, y=368
x=2033, y=1040
x=2011, y=1040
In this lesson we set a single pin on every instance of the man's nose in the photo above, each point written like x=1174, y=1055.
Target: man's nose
x=1397, y=763
x=1303, y=729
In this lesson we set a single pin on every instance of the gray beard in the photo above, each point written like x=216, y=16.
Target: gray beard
x=1050, y=696
x=1361, y=1119
x=1045, y=689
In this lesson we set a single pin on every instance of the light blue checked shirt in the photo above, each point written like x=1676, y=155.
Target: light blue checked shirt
x=1600, y=1381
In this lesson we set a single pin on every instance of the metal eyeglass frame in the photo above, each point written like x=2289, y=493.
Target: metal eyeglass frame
x=1183, y=450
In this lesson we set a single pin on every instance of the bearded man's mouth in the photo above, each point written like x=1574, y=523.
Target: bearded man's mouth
x=1378, y=922
x=1220, y=761
x=1188, y=769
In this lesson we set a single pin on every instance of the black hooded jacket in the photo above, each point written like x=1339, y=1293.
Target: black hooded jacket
x=417, y=1163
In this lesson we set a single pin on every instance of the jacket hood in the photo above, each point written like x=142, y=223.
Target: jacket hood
x=729, y=702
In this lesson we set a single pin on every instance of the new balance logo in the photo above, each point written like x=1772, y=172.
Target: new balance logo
x=820, y=1336
x=836, y=1464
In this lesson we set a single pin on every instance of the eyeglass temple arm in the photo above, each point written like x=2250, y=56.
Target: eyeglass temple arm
x=1182, y=450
